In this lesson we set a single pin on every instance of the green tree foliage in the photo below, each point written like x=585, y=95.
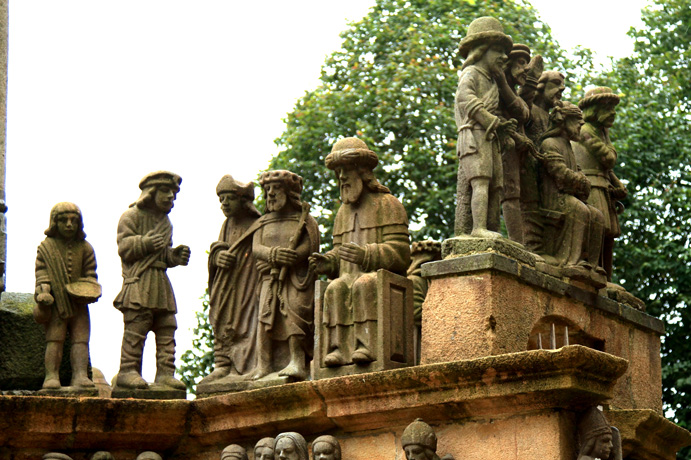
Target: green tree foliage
x=198, y=362
x=393, y=84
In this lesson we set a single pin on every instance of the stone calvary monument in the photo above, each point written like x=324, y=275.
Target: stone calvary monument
x=525, y=347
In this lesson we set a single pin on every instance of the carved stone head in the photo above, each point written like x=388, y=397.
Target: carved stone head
x=236, y=198
x=517, y=66
x=66, y=222
x=234, y=452
x=598, y=106
x=326, y=448
x=353, y=162
x=281, y=190
x=595, y=435
x=264, y=449
x=290, y=446
x=419, y=441
x=565, y=120
x=550, y=87
x=159, y=190
x=149, y=455
x=102, y=455
x=485, y=31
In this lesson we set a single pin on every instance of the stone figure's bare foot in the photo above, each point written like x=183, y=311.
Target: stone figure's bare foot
x=82, y=381
x=260, y=372
x=217, y=374
x=484, y=233
x=51, y=383
x=131, y=380
x=362, y=356
x=294, y=370
x=170, y=381
x=334, y=359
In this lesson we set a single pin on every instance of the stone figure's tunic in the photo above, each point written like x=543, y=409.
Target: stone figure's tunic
x=233, y=302
x=60, y=263
x=145, y=282
x=380, y=224
x=286, y=306
x=479, y=155
x=538, y=124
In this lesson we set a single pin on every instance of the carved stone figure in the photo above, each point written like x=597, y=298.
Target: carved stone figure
x=145, y=237
x=66, y=283
x=576, y=241
x=290, y=446
x=597, y=439
x=550, y=87
x=234, y=452
x=597, y=157
x=149, y=455
x=420, y=443
x=264, y=449
x=482, y=133
x=370, y=233
x=102, y=455
x=326, y=448
x=421, y=252
x=285, y=237
x=233, y=278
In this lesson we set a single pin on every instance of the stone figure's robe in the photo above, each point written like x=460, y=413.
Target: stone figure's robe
x=233, y=302
x=145, y=282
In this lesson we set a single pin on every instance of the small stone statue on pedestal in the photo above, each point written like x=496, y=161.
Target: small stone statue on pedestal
x=66, y=283
x=285, y=237
x=264, y=449
x=597, y=157
x=573, y=229
x=597, y=439
x=233, y=279
x=145, y=238
x=291, y=446
x=482, y=133
x=420, y=443
x=370, y=233
x=326, y=448
x=234, y=452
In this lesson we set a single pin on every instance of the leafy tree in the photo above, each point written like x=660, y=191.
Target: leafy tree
x=198, y=362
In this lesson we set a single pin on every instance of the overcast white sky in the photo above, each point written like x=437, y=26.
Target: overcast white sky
x=103, y=92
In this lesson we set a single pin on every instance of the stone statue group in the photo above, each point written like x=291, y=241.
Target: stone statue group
x=545, y=164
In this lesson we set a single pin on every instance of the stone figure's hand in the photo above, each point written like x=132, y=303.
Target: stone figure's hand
x=353, y=253
x=286, y=256
x=319, y=263
x=45, y=298
x=225, y=259
x=182, y=254
x=618, y=193
x=154, y=242
x=507, y=128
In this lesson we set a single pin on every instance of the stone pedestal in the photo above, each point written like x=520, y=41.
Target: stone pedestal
x=490, y=303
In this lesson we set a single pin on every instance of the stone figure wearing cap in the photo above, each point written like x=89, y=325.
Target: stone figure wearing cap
x=147, y=302
x=419, y=442
x=285, y=237
x=597, y=157
x=482, y=131
x=290, y=446
x=597, y=439
x=233, y=277
x=264, y=449
x=66, y=283
x=234, y=452
x=370, y=233
x=564, y=190
x=326, y=448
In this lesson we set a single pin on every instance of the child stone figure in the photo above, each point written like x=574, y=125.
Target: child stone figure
x=66, y=283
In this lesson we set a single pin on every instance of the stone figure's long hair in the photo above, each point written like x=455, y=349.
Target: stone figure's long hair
x=147, y=200
x=371, y=182
x=298, y=441
x=62, y=208
x=475, y=55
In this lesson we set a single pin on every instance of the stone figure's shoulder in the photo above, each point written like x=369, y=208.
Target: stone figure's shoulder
x=390, y=209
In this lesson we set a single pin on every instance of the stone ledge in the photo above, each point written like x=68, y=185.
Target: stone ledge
x=648, y=434
x=474, y=263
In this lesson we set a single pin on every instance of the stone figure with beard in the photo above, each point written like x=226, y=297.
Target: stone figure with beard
x=285, y=237
x=482, y=132
x=597, y=157
x=370, y=233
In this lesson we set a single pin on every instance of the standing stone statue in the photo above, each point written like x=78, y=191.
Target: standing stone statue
x=482, y=133
x=233, y=278
x=370, y=233
x=290, y=446
x=285, y=237
x=326, y=448
x=597, y=157
x=597, y=439
x=576, y=242
x=421, y=252
x=234, y=452
x=147, y=302
x=66, y=283
x=264, y=449
x=420, y=443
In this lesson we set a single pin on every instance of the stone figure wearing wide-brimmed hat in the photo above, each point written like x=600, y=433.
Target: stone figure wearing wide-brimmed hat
x=574, y=244
x=597, y=157
x=233, y=278
x=147, y=302
x=66, y=283
x=482, y=132
x=370, y=233
x=285, y=237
